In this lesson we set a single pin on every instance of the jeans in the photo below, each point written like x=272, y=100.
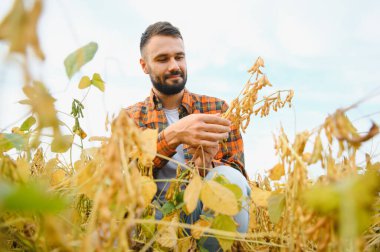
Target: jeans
x=242, y=218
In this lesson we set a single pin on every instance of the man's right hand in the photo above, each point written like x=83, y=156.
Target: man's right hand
x=197, y=129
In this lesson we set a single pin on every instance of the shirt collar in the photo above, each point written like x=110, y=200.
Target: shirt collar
x=187, y=101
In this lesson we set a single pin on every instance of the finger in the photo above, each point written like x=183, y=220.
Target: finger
x=201, y=142
x=211, y=136
x=215, y=128
x=214, y=119
x=206, y=143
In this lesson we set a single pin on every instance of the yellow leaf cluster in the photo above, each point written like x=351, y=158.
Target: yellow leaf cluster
x=196, y=232
x=277, y=171
x=57, y=177
x=191, y=195
x=96, y=81
x=242, y=108
x=260, y=197
x=339, y=126
x=168, y=234
x=148, y=189
x=42, y=104
x=215, y=195
x=19, y=28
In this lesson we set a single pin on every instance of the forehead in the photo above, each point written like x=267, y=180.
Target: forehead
x=158, y=45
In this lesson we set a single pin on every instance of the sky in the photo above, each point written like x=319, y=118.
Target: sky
x=326, y=51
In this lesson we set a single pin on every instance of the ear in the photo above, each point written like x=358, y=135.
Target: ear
x=144, y=66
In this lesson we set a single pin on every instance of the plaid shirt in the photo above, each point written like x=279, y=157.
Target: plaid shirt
x=150, y=114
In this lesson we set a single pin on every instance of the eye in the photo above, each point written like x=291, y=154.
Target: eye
x=180, y=57
x=162, y=59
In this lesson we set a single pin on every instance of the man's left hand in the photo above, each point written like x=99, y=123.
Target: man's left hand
x=202, y=156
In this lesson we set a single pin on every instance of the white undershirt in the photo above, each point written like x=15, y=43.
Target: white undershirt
x=169, y=170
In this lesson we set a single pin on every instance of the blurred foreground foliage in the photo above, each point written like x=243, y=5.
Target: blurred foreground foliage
x=103, y=200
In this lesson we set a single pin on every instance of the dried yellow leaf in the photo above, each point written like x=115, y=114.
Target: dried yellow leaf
x=23, y=169
x=185, y=244
x=61, y=144
x=171, y=191
x=317, y=151
x=85, y=82
x=260, y=197
x=168, y=234
x=19, y=28
x=215, y=195
x=42, y=104
x=191, y=195
x=148, y=189
x=277, y=172
x=148, y=144
x=86, y=177
x=201, y=223
x=300, y=142
x=57, y=177
x=51, y=166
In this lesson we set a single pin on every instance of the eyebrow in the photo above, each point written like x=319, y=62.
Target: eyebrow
x=165, y=54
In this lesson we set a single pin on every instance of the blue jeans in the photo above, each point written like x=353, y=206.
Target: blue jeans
x=242, y=218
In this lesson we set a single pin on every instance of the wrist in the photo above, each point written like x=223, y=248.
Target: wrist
x=171, y=138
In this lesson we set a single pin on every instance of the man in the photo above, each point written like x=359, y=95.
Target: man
x=186, y=121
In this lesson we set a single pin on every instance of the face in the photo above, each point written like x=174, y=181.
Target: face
x=164, y=60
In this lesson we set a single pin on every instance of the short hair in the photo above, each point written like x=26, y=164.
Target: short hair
x=159, y=28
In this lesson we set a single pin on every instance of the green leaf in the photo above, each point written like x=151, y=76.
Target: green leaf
x=226, y=183
x=29, y=198
x=29, y=122
x=80, y=57
x=34, y=140
x=235, y=189
x=61, y=144
x=148, y=228
x=225, y=223
x=5, y=145
x=15, y=141
x=167, y=208
x=323, y=199
x=276, y=204
x=221, y=179
x=202, y=249
x=179, y=197
x=85, y=82
x=98, y=82
x=180, y=205
x=25, y=102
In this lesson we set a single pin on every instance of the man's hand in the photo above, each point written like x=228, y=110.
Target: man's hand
x=198, y=130
x=202, y=157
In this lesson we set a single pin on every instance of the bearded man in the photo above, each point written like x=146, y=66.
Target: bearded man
x=185, y=120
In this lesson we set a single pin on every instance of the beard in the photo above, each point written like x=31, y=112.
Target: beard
x=169, y=89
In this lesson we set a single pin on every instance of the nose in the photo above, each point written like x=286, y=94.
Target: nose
x=173, y=65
